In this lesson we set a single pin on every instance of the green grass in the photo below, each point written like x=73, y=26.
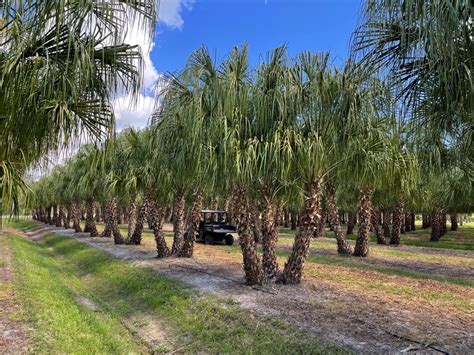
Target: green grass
x=462, y=239
x=362, y=264
x=52, y=274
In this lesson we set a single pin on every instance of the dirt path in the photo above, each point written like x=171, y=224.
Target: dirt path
x=14, y=334
x=330, y=303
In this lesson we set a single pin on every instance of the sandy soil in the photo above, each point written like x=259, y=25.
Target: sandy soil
x=14, y=334
x=332, y=302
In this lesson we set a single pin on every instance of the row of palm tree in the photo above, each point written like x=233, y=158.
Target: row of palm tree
x=297, y=133
x=293, y=132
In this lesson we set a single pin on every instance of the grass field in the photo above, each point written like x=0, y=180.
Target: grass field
x=79, y=299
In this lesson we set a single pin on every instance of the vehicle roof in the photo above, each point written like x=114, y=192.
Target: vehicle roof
x=213, y=211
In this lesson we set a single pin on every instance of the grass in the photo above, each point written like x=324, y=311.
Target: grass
x=52, y=275
x=462, y=239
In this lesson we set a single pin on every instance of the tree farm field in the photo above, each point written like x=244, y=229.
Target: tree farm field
x=123, y=299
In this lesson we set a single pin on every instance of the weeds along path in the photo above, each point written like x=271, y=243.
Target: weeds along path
x=14, y=334
x=363, y=309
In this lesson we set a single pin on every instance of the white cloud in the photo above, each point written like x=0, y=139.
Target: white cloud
x=137, y=114
x=169, y=12
x=128, y=113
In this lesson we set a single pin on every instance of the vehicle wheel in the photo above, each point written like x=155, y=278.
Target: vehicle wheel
x=229, y=239
x=208, y=239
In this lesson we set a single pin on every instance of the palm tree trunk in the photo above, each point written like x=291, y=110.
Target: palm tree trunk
x=49, y=219
x=97, y=213
x=293, y=220
x=444, y=227
x=396, y=223
x=90, y=223
x=75, y=218
x=309, y=217
x=435, y=226
x=142, y=216
x=375, y=220
x=286, y=214
x=402, y=223
x=60, y=219
x=424, y=221
x=413, y=219
x=351, y=222
x=107, y=232
x=256, y=225
x=55, y=220
x=67, y=218
x=113, y=220
x=386, y=225
x=156, y=219
x=318, y=231
x=270, y=227
x=178, y=222
x=227, y=208
x=407, y=221
x=365, y=211
x=132, y=218
x=252, y=264
x=192, y=227
x=342, y=245
x=454, y=221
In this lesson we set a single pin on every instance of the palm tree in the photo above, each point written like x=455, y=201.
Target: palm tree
x=61, y=61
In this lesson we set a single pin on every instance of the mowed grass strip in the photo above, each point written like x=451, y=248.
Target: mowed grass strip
x=54, y=273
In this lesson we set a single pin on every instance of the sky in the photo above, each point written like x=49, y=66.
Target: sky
x=219, y=25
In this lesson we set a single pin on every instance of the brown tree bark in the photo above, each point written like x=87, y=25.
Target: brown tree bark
x=142, y=217
x=342, y=245
x=156, y=219
x=365, y=211
x=90, y=223
x=75, y=213
x=192, y=227
x=402, y=223
x=132, y=218
x=396, y=223
x=413, y=220
x=309, y=217
x=56, y=220
x=98, y=214
x=67, y=218
x=407, y=221
x=318, y=231
x=386, y=225
x=424, y=221
x=351, y=222
x=286, y=215
x=255, y=222
x=376, y=225
x=454, y=221
x=111, y=222
x=270, y=229
x=435, y=226
x=49, y=217
x=178, y=222
x=444, y=226
x=252, y=264
x=293, y=220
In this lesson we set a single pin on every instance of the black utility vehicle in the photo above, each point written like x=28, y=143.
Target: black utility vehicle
x=214, y=228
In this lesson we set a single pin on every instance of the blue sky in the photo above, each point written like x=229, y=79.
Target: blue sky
x=315, y=25
x=185, y=25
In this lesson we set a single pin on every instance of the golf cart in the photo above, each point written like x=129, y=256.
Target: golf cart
x=214, y=228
